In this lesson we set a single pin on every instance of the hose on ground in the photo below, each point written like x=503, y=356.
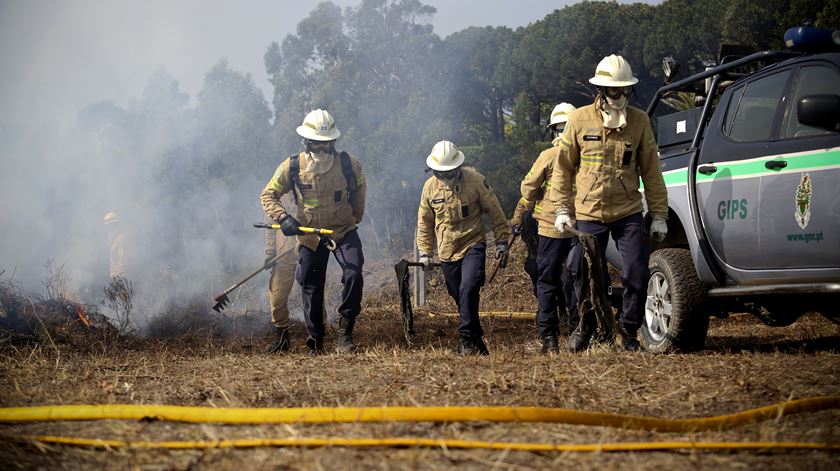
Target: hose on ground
x=410, y=414
x=436, y=443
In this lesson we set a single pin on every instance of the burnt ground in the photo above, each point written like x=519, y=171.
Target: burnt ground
x=744, y=365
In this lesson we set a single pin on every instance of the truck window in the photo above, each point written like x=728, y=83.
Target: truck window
x=730, y=110
x=753, y=115
x=811, y=80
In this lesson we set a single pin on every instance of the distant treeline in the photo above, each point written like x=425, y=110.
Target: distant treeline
x=396, y=88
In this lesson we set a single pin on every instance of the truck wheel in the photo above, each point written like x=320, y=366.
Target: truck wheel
x=673, y=318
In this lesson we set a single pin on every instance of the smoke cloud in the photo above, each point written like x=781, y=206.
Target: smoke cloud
x=182, y=158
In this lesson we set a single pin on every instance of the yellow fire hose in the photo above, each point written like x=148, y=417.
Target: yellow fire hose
x=435, y=443
x=409, y=414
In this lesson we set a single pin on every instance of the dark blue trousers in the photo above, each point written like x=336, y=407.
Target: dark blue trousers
x=464, y=280
x=551, y=254
x=571, y=282
x=312, y=274
x=631, y=239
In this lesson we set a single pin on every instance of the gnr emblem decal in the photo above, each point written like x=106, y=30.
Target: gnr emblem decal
x=803, y=201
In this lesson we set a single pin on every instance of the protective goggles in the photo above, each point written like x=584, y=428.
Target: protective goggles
x=319, y=147
x=617, y=92
x=445, y=175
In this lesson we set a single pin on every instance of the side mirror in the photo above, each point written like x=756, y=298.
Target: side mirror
x=820, y=111
x=670, y=68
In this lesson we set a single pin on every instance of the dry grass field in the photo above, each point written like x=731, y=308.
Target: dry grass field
x=744, y=365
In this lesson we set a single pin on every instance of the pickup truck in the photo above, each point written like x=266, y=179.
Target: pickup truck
x=753, y=178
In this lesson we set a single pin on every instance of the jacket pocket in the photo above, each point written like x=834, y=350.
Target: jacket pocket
x=587, y=183
x=630, y=190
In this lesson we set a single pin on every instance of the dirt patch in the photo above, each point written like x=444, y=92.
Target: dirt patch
x=733, y=374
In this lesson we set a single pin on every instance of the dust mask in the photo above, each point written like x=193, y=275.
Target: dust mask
x=614, y=112
x=319, y=162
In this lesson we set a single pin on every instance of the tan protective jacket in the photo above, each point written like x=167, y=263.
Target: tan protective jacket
x=534, y=189
x=323, y=200
x=452, y=215
x=605, y=165
x=275, y=242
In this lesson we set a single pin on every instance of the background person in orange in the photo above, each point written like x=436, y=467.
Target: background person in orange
x=116, y=244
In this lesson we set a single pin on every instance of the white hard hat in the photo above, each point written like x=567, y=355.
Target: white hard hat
x=613, y=71
x=110, y=218
x=445, y=156
x=318, y=125
x=560, y=114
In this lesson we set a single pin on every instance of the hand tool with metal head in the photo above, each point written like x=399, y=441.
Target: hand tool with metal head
x=324, y=234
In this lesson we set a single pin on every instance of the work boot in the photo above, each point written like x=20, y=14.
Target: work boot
x=482, y=347
x=283, y=342
x=316, y=346
x=344, y=341
x=578, y=341
x=469, y=346
x=550, y=344
x=630, y=343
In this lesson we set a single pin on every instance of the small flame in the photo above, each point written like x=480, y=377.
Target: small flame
x=80, y=311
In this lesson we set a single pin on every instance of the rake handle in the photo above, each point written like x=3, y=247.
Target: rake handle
x=304, y=229
x=243, y=280
x=499, y=265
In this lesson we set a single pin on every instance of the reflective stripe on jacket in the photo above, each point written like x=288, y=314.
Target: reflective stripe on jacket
x=605, y=165
x=451, y=215
x=323, y=200
x=534, y=188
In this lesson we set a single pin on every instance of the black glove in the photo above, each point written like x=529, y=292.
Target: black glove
x=516, y=229
x=290, y=226
x=502, y=253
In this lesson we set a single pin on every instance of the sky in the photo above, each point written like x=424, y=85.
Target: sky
x=60, y=55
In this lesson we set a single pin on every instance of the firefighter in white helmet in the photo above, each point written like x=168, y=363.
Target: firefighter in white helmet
x=557, y=121
x=329, y=189
x=606, y=148
x=452, y=205
x=553, y=245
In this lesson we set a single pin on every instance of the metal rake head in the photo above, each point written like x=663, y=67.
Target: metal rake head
x=221, y=302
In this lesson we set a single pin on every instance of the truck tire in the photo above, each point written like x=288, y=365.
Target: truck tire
x=673, y=318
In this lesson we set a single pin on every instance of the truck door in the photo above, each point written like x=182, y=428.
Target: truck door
x=731, y=165
x=799, y=218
